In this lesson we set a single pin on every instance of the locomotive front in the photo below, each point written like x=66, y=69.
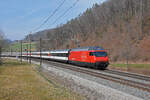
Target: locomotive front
x=100, y=58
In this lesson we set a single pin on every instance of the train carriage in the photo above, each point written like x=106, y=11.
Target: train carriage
x=60, y=55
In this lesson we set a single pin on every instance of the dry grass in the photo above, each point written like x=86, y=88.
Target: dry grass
x=22, y=82
x=135, y=68
x=132, y=65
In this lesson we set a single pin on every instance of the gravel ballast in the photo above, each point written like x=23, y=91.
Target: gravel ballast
x=89, y=85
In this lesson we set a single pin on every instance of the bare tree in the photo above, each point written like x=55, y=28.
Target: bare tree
x=1, y=44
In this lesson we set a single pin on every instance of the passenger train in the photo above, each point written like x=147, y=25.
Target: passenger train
x=95, y=57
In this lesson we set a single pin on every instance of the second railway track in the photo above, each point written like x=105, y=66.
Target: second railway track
x=127, y=74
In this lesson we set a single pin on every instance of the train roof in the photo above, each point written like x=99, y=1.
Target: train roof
x=39, y=52
x=60, y=51
x=87, y=48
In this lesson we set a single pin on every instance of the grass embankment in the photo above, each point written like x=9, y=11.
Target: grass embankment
x=136, y=68
x=20, y=81
x=16, y=46
x=132, y=65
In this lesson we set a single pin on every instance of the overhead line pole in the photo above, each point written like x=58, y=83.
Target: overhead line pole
x=10, y=51
x=40, y=51
x=27, y=51
x=0, y=55
x=30, y=51
x=21, y=51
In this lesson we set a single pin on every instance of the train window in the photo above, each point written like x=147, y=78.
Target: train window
x=45, y=54
x=60, y=54
x=100, y=54
x=34, y=54
x=91, y=53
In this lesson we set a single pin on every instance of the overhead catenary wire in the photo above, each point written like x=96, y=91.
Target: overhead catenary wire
x=74, y=4
x=50, y=16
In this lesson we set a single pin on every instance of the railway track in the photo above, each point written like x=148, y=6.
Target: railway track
x=132, y=75
x=131, y=83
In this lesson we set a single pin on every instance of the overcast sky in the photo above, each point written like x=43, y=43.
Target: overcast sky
x=19, y=17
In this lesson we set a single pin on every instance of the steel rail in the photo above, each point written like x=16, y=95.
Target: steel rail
x=132, y=75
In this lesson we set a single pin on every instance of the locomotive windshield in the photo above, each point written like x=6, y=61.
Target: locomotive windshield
x=98, y=54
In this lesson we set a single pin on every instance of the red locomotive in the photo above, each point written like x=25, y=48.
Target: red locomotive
x=89, y=56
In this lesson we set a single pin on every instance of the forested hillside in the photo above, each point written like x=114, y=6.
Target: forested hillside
x=120, y=26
